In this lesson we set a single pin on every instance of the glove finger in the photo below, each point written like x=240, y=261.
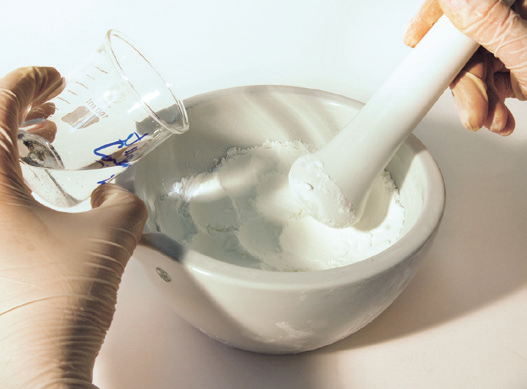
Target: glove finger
x=499, y=120
x=42, y=111
x=46, y=129
x=36, y=123
x=122, y=216
x=52, y=85
x=422, y=22
x=470, y=92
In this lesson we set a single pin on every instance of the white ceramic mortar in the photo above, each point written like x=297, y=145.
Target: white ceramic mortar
x=278, y=312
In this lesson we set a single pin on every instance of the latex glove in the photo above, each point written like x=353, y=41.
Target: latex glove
x=59, y=272
x=497, y=71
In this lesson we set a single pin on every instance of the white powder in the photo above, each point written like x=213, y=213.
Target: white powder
x=243, y=212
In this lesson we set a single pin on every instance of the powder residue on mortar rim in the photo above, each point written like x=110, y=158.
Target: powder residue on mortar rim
x=243, y=212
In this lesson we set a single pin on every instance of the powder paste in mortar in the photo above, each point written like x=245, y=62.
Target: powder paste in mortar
x=243, y=212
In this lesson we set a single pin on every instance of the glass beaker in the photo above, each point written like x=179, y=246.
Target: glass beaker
x=114, y=109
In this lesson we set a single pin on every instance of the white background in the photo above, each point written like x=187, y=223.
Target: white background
x=461, y=323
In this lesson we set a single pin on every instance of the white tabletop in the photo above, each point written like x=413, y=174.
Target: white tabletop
x=462, y=321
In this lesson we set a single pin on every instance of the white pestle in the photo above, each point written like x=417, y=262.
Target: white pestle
x=333, y=183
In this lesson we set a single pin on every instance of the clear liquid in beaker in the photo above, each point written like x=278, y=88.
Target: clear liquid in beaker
x=66, y=188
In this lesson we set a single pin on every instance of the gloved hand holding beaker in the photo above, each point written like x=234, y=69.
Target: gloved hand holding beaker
x=59, y=272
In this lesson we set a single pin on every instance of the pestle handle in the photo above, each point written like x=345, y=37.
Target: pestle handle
x=333, y=183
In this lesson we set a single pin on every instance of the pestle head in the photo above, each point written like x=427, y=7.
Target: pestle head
x=333, y=184
x=320, y=196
